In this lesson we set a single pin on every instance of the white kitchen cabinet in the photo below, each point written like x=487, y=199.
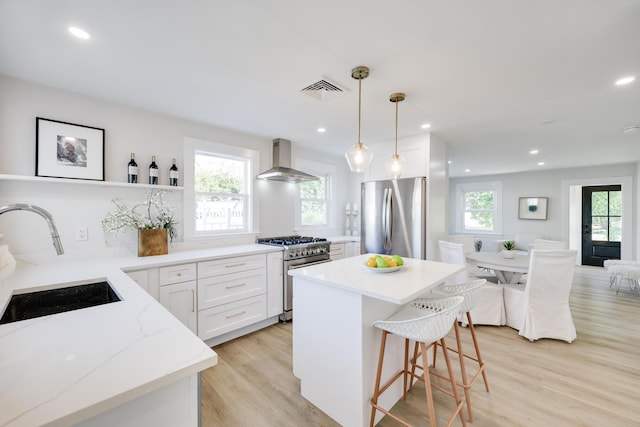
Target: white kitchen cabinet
x=178, y=293
x=275, y=284
x=180, y=300
x=336, y=251
x=349, y=249
x=147, y=279
x=232, y=293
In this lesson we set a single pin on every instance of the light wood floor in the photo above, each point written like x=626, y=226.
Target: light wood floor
x=595, y=381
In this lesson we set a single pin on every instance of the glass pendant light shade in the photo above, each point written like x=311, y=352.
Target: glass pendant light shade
x=395, y=165
x=359, y=156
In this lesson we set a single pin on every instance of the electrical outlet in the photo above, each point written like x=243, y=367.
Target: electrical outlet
x=82, y=233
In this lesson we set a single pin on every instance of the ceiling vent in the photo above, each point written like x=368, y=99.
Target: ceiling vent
x=322, y=88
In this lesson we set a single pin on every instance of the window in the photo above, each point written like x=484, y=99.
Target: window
x=478, y=207
x=218, y=188
x=221, y=192
x=314, y=197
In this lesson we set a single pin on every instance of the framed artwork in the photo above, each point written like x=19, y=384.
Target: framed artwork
x=67, y=150
x=532, y=208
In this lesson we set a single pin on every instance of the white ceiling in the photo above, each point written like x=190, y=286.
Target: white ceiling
x=485, y=73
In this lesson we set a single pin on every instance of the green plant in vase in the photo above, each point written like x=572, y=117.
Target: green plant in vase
x=508, y=246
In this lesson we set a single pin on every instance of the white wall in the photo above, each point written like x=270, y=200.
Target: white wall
x=127, y=130
x=549, y=184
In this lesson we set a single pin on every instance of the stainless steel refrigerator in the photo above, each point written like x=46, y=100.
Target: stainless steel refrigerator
x=394, y=217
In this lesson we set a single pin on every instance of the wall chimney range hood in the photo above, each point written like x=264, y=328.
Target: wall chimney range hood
x=281, y=170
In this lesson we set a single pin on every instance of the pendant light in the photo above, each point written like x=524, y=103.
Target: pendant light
x=395, y=164
x=359, y=156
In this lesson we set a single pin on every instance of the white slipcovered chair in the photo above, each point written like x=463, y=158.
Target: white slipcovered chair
x=540, y=309
x=466, y=240
x=489, y=308
x=550, y=244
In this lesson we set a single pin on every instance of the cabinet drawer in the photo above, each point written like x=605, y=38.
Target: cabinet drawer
x=336, y=249
x=231, y=265
x=228, y=317
x=177, y=274
x=217, y=290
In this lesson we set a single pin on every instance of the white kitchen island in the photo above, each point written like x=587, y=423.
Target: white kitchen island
x=335, y=346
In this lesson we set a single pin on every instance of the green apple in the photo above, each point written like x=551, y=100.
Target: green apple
x=397, y=259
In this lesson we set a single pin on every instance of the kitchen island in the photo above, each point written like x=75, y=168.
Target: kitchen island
x=335, y=346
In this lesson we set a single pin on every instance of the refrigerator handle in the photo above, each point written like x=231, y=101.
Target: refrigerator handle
x=386, y=219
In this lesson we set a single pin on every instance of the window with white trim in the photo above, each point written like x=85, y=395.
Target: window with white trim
x=218, y=188
x=478, y=207
x=314, y=197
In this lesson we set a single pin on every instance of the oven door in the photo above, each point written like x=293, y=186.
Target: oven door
x=288, y=287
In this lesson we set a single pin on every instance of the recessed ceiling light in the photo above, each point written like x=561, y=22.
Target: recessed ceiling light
x=321, y=130
x=425, y=126
x=540, y=163
x=534, y=152
x=625, y=81
x=79, y=33
x=449, y=162
x=467, y=170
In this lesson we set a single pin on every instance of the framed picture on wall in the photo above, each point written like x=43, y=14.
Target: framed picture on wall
x=532, y=208
x=67, y=150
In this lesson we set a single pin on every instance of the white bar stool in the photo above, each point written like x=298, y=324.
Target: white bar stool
x=426, y=321
x=469, y=291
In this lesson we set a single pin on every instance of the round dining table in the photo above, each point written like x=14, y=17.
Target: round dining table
x=508, y=270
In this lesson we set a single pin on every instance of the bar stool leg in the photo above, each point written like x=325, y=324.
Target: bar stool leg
x=376, y=392
x=454, y=386
x=427, y=383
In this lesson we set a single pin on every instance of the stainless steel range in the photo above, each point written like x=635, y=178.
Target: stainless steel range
x=299, y=251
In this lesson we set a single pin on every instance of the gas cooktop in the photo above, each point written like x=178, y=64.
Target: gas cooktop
x=290, y=240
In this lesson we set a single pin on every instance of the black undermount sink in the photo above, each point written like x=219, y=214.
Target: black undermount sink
x=52, y=301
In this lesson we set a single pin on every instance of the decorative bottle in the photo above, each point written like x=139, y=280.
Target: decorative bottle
x=173, y=174
x=132, y=176
x=153, y=171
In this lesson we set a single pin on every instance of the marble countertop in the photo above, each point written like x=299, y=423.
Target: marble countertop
x=67, y=367
x=398, y=287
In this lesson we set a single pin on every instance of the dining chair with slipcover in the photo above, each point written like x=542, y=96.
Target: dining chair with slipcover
x=489, y=308
x=550, y=244
x=540, y=308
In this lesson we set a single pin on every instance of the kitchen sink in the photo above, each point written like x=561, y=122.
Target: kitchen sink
x=52, y=301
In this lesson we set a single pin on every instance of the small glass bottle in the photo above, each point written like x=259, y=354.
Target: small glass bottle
x=173, y=174
x=153, y=171
x=132, y=176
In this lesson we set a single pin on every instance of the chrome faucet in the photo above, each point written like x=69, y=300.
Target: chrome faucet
x=57, y=243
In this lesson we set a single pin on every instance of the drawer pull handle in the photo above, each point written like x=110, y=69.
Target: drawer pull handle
x=240, y=264
x=236, y=286
x=236, y=315
x=193, y=300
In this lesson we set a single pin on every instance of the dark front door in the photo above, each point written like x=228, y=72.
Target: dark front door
x=601, y=223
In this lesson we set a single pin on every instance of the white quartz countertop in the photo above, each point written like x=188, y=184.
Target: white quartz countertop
x=60, y=369
x=398, y=287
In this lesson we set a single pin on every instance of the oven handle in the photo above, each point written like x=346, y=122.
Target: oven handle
x=308, y=264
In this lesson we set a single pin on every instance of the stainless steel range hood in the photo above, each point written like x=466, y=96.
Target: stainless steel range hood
x=281, y=170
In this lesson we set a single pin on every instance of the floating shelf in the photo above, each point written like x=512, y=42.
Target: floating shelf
x=25, y=178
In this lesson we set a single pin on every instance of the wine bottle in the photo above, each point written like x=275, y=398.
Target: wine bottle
x=173, y=174
x=133, y=170
x=153, y=171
